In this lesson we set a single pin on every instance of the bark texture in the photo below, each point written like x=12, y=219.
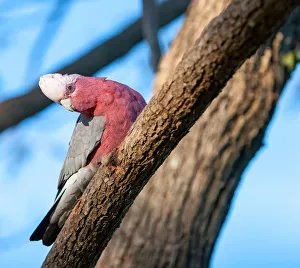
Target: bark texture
x=198, y=79
x=22, y=107
x=176, y=219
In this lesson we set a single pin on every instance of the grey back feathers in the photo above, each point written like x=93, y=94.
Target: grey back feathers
x=85, y=138
x=74, y=177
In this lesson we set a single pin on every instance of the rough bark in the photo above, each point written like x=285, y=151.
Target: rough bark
x=198, y=79
x=22, y=107
x=176, y=219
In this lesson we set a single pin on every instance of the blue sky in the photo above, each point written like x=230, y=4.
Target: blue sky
x=263, y=227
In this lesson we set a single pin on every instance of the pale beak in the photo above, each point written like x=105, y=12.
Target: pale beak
x=67, y=104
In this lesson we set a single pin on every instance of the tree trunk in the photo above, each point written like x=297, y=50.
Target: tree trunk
x=199, y=77
x=176, y=219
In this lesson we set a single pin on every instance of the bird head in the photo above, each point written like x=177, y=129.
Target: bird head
x=73, y=91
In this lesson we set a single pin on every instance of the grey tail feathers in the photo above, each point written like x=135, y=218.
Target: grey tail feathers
x=46, y=231
x=50, y=234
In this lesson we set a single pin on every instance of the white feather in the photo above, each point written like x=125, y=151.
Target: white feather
x=54, y=85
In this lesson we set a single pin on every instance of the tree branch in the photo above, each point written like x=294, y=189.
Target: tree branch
x=150, y=30
x=22, y=107
x=196, y=183
x=198, y=79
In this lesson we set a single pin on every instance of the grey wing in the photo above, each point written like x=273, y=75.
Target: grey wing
x=86, y=136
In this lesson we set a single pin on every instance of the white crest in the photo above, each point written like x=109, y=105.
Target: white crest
x=54, y=85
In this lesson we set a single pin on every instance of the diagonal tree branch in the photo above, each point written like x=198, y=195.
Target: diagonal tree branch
x=223, y=46
x=22, y=107
x=197, y=182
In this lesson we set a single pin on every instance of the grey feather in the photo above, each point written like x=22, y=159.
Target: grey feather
x=86, y=136
x=74, y=177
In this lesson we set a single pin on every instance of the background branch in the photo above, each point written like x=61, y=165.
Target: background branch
x=204, y=70
x=47, y=36
x=150, y=30
x=22, y=107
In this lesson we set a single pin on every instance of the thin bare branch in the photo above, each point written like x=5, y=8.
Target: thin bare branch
x=150, y=30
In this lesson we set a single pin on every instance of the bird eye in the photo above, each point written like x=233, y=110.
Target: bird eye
x=70, y=88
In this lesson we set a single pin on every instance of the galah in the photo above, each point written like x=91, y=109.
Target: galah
x=107, y=111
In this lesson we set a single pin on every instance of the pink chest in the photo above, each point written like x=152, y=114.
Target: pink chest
x=120, y=105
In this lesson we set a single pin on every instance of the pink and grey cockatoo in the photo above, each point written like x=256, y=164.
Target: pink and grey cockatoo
x=107, y=111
